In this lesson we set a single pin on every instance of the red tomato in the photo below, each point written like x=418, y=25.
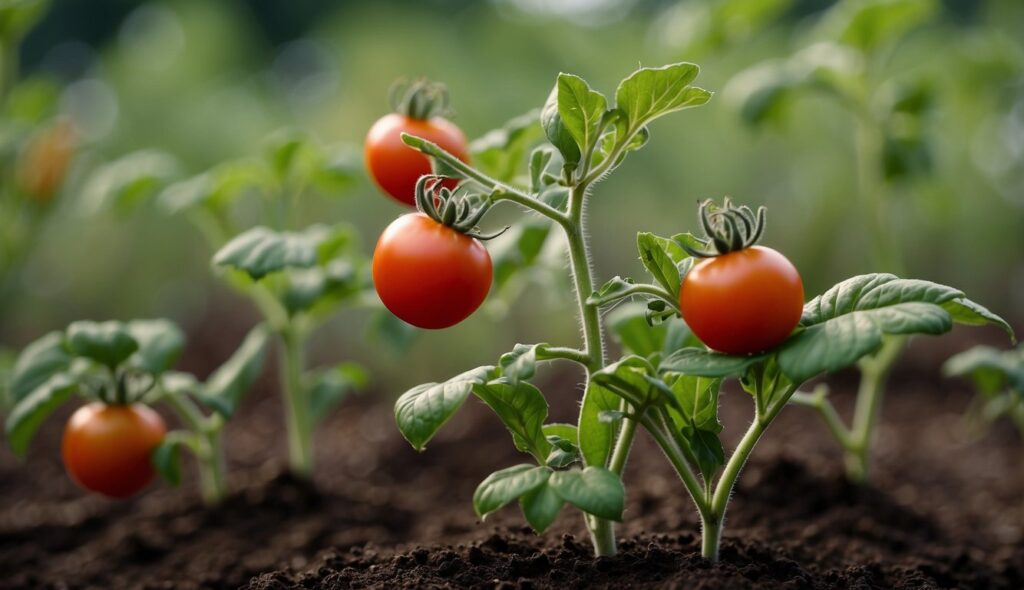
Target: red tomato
x=396, y=167
x=743, y=302
x=107, y=449
x=428, y=274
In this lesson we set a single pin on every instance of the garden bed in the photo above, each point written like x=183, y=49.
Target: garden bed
x=945, y=511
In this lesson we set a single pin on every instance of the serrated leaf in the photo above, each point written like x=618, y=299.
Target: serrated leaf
x=502, y=487
x=650, y=93
x=29, y=413
x=661, y=257
x=39, y=361
x=226, y=387
x=523, y=410
x=108, y=343
x=424, y=409
x=706, y=363
x=581, y=108
x=594, y=490
x=160, y=342
x=541, y=507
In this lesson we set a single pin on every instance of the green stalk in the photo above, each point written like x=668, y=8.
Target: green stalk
x=296, y=402
x=8, y=65
x=874, y=372
x=209, y=450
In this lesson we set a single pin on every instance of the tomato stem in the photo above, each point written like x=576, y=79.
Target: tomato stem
x=208, y=448
x=296, y=401
x=874, y=372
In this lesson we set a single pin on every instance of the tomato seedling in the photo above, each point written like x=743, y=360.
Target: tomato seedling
x=296, y=279
x=998, y=377
x=667, y=384
x=419, y=109
x=846, y=62
x=115, y=443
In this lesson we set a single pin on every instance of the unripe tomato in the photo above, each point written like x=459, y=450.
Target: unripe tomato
x=743, y=302
x=429, y=274
x=107, y=448
x=396, y=167
x=44, y=164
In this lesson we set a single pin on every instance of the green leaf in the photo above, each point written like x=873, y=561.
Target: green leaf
x=218, y=187
x=990, y=368
x=706, y=363
x=541, y=507
x=389, y=332
x=224, y=389
x=523, y=410
x=124, y=183
x=871, y=24
x=567, y=432
x=964, y=311
x=108, y=343
x=39, y=361
x=661, y=257
x=614, y=289
x=261, y=250
x=160, y=342
x=500, y=153
x=518, y=249
x=594, y=490
x=696, y=415
x=309, y=288
x=424, y=409
x=557, y=132
x=628, y=379
x=849, y=320
x=166, y=457
x=502, y=487
x=564, y=449
x=520, y=364
x=328, y=387
x=596, y=436
x=581, y=108
x=29, y=413
x=652, y=92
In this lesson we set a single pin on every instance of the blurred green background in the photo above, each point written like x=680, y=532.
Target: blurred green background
x=206, y=81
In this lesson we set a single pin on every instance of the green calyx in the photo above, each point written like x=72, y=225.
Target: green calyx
x=728, y=228
x=456, y=209
x=420, y=99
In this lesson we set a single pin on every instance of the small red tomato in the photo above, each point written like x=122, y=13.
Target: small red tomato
x=428, y=274
x=396, y=167
x=743, y=302
x=107, y=449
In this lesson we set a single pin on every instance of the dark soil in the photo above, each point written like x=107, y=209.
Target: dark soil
x=946, y=510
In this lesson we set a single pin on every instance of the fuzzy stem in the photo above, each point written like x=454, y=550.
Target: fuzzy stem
x=296, y=402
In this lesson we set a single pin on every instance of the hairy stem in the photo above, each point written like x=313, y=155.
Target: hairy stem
x=296, y=402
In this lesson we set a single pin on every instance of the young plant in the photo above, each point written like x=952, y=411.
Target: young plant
x=297, y=279
x=998, y=377
x=846, y=62
x=115, y=443
x=668, y=386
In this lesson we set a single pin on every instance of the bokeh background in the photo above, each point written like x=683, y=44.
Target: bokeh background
x=206, y=81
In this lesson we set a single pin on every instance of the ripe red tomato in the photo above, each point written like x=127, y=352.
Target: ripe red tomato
x=743, y=302
x=396, y=167
x=107, y=449
x=428, y=274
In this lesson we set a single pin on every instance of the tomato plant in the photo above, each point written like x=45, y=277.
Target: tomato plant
x=419, y=110
x=667, y=383
x=297, y=279
x=115, y=443
x=845, y=62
